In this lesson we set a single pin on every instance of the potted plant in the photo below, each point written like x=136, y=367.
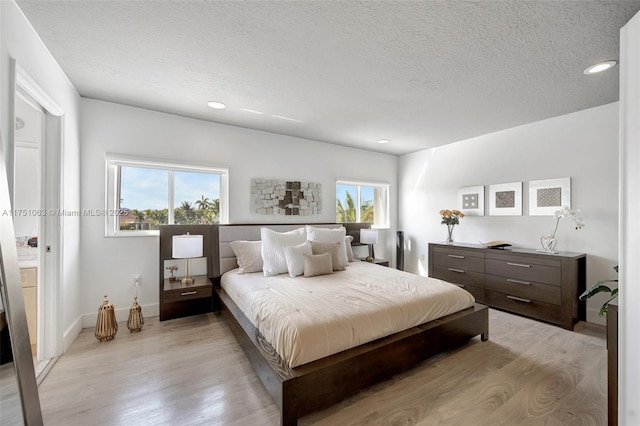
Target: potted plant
x=600, y=287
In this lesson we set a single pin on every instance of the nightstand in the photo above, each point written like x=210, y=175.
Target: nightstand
x=377, y=261
x=179, y=300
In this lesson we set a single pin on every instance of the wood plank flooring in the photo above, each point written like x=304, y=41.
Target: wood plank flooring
x=191, y=371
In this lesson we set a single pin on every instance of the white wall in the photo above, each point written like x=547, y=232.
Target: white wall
x=19, y=41
x=629, y=316
x=111, y=128
x=583, y=146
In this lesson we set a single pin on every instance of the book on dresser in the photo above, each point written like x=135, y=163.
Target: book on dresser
x=522, y=281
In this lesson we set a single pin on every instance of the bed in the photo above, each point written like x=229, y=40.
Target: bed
x=302, y=381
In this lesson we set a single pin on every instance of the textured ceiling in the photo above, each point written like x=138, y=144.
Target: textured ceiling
x=421, y=74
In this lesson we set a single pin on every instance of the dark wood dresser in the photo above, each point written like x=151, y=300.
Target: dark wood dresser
x=522, y=281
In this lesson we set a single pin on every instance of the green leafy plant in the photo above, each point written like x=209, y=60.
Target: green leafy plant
x=600, y=287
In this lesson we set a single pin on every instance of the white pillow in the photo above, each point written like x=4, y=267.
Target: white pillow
x=333, y=249
x=317, y=264
x=274, y=261
x=249, y=255
x=347, y=243
x=325, y=235
x=295, y=257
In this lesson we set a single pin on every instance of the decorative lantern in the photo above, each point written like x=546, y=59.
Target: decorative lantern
x=136, y=321
x=106, y=326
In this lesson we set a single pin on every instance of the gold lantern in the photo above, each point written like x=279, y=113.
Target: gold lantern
x=136, y=321
x=106, y=326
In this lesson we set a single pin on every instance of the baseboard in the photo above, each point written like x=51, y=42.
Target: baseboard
x=122, y=315
x=71, y=333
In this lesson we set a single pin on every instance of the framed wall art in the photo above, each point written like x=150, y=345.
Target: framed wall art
x=505, y=199
x=471, y=200
x=547, y=196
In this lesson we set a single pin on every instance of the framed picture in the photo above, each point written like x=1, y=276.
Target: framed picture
x=547, y=196
x=471, y=200
x=505, y=199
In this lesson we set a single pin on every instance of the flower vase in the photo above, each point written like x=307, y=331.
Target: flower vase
x=450, y=234
x=549, y=244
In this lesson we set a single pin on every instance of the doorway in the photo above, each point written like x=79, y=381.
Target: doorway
x=35, y=182
x=27, y=206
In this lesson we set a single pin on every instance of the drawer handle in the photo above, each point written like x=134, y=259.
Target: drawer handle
x=518, y=299
x=518, y=281
x=188, y=293
x=457, y=256
x=460, y=271
x=459, y=285
x=520, y=265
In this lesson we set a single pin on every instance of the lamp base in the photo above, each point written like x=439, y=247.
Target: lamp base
x=188, y=280
x=369, y=259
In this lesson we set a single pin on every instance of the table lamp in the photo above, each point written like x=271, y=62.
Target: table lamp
x=369, y=237
x=187, y=247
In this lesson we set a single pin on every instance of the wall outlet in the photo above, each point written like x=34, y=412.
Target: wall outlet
x=137, y=279
x=422, y=258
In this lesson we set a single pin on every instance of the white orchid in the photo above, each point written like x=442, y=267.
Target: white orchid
x=549, y=242
x=576, y=214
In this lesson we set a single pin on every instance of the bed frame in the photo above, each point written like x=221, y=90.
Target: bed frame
x=319, y=384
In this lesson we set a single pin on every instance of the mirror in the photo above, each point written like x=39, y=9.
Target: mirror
x=17, y=378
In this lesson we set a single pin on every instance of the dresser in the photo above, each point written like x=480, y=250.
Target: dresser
x=526, y=282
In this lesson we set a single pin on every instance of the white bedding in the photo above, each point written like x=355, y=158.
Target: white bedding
x=306, y=319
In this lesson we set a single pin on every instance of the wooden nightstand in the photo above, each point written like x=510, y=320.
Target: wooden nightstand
x=180, y=300
x=377, y=261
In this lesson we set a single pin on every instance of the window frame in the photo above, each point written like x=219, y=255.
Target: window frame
x=112, y=191
x=358, y=184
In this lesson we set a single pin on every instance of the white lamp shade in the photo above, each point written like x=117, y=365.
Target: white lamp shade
x=369, y=236
x=186, y=246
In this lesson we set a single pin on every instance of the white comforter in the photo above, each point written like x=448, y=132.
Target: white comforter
x=306, y=319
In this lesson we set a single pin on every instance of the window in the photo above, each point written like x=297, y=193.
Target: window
x=363, y=202
x=144, y=194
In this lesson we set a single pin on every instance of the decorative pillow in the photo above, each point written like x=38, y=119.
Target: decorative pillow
x=274, y=261
x=347, y=242
x=325, y=235
x=295, y=257
x=317, y=264
x=333, y=249
x=249, y=255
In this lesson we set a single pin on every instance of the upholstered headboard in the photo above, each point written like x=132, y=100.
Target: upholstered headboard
x=251, y=232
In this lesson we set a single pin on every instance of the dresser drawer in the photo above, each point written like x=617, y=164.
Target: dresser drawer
x=459, y=276
x=524, y=289
x=187, y=293
x=524, y=269
x=524, y=306
x=459, y=259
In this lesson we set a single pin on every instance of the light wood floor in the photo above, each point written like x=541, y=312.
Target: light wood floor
x=191, y=371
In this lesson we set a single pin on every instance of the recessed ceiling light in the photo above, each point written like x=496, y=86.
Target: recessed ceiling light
x=216, y=105
x=599, y=67
x=383, y=141
x=251, y=111
x=287, y=118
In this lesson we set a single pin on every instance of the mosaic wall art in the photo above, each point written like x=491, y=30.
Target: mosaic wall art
x=286, y=198
x=547, y=196
x=505, y=199
x=471, y=200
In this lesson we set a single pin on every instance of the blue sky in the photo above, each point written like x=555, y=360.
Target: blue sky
x=145, y=188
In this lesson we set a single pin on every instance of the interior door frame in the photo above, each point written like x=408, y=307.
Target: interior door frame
x=50, y=336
